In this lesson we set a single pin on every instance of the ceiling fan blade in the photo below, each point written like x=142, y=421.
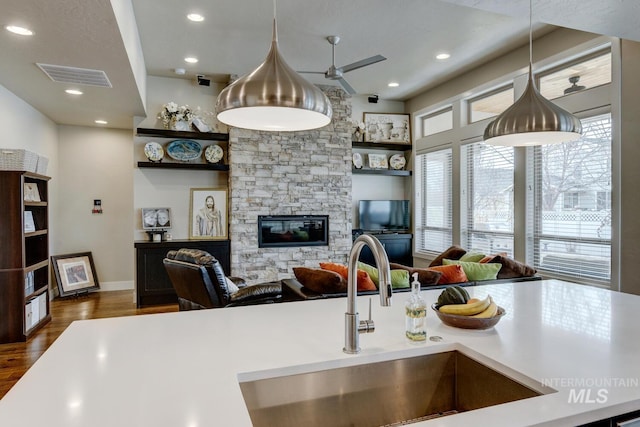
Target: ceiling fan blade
x=311, y=72
x=362, y=63
x=347, y=87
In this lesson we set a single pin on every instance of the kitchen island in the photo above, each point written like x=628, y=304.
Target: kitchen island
x=183, y=369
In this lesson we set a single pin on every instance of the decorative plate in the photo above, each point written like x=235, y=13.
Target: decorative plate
x=153, y=151
x=397, y=161
x=357, y=160
x=213, y=153
x=184, y=150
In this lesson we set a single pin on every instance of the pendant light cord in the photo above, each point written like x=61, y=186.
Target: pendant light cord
x=530, y=35
x=275, y=25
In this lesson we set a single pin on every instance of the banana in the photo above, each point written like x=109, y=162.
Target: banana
x=467, y=309
x=489, y=312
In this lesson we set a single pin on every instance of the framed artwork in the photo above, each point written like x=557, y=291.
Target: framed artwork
x=31, y=193
x=156, y=218
x=208, y=214
x=378, y=161
x=75, y=273
x=391, y=128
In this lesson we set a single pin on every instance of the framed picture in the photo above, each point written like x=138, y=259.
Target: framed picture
x=378, y=161
x=31, y=193
x=29, y=224
x=387, y=128
x=75, y=273
x=208, y=213
x=156, y=218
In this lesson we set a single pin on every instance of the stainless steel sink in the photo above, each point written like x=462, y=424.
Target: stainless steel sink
x=394, y=392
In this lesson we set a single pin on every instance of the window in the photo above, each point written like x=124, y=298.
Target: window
x=433, y=201
x=437, y=122
x=487, y=198
x=575, y=77
x=490, y=105
x=572, y=208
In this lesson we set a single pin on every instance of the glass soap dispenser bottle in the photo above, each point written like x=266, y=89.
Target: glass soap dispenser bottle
x=416, y=314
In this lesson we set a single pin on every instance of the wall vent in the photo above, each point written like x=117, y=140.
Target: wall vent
x=83, y=76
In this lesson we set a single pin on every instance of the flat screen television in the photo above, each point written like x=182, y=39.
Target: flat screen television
x=384, y=215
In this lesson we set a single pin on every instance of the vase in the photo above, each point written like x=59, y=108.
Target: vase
x=182, y=125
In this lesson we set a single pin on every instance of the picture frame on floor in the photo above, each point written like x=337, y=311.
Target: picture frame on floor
x=208, y=216
x=75, y=273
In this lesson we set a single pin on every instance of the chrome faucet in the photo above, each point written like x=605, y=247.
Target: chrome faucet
x=354, y=327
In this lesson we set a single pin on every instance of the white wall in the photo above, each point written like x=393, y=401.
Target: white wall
x=171, y=187
x=25, y=127
x=376, y=187
x=96, y=164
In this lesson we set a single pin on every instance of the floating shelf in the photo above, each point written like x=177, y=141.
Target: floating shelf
x=381, y=172
x=381, y=146
x=196, y=166
x=166, y=133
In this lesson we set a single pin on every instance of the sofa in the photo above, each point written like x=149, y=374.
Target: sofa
x=454, y=266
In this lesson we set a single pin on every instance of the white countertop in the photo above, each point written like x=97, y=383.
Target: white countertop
x=181, y=369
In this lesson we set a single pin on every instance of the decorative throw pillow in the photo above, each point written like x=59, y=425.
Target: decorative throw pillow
x=364, y=281
x=321, y=281
x=476, y=271
x=399, y=277
x=454, y=252
x=486, y=259
x=472, y=256
x=425, y=276
x=450, y=274
x=512, y=268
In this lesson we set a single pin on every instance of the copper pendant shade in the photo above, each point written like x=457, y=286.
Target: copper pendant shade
x=273, y=97
x=532, y=119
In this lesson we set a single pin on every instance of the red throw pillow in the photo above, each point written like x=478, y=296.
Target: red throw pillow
x=364, y=281
x=450, y=274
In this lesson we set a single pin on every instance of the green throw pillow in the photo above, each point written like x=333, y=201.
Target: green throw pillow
x=472, y=256
x=476, y=271
x=399, y=278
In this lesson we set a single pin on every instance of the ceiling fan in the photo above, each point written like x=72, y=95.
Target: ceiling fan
x=574, y=85
x=336, y=73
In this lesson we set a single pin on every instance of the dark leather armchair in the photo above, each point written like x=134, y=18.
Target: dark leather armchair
x=200, y=283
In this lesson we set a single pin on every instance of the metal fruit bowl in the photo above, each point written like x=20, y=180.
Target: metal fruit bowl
x=468, y=322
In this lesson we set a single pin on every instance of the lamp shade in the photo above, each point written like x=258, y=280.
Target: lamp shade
x=273, y=97
x=533, y=120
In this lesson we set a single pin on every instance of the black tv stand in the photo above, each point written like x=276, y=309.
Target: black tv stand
x=398, y=245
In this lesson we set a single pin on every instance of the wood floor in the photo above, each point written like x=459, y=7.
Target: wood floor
x=17, y=358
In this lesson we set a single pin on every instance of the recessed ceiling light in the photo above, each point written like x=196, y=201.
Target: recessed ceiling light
x=393, y=84
x=73, y=92
x=443, y=56
x=191, y=60
x=195, y=17
x=101, y=122
x=19, y=30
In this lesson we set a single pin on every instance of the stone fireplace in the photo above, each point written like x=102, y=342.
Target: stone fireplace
x=290, y=173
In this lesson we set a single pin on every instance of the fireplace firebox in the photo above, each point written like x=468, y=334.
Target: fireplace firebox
x=293, y=230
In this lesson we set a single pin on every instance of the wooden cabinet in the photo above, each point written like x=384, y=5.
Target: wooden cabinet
x=397, y=246
x=152, y=282
x=24, y=257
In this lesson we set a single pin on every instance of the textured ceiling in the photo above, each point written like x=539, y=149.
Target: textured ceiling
x=235, y=35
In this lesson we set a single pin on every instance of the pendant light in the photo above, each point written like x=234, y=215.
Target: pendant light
x=532, y=119
x=273, y=97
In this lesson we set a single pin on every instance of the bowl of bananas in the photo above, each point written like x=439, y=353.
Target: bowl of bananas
x=455, y=308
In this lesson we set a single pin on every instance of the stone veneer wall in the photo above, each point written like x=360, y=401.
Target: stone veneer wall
x=290, y=173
